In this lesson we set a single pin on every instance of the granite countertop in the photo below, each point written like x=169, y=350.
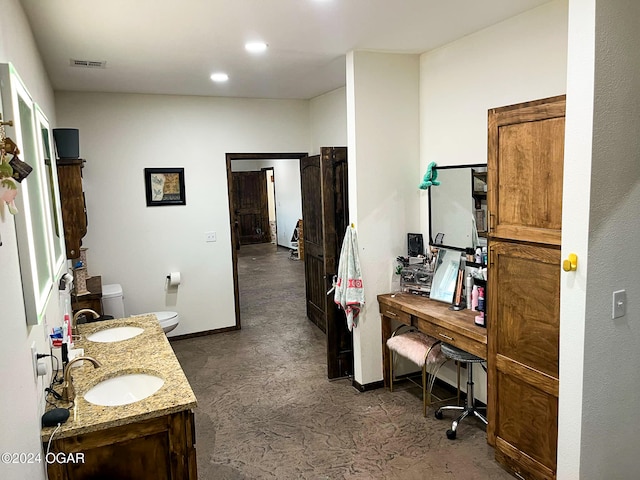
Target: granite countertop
x=148, y=352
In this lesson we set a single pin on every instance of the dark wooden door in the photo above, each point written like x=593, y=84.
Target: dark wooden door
x=251, y=207
x=325, y=216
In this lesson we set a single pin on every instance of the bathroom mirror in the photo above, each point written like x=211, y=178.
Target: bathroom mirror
x=445, y=278
x=456, y=203
x=45, y=151
x=32, y=221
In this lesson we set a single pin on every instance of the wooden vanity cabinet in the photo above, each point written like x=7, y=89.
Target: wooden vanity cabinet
x=525, y=165
x=74, y=212
x=161, y=448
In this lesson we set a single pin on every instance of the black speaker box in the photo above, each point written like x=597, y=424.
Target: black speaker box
x=415, y=244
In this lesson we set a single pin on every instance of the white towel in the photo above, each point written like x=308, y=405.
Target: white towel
x=349, y=293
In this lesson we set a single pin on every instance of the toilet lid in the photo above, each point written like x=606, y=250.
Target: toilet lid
x=112, y=290
x=164, y=316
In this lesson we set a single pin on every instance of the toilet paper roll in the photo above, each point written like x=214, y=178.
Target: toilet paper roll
x=173, y=279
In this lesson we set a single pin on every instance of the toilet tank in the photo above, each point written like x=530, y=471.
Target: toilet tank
x=113, y=300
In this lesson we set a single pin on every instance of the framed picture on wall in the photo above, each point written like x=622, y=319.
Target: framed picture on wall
x=164, y=186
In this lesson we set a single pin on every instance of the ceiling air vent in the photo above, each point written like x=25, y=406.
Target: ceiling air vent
x=87, y=63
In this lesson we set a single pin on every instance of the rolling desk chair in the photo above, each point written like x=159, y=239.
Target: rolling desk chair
x=455, y=353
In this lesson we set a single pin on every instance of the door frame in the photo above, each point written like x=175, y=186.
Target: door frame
x=234, y=239
x=275, y=201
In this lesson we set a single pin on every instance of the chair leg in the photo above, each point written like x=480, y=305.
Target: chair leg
x=468, y=409
x=391, y=355
x=425, y=400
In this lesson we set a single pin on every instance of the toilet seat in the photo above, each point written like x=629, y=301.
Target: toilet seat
x=167, y=320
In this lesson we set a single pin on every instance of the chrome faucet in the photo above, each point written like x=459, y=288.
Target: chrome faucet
x=68, y=392
x=74, y=327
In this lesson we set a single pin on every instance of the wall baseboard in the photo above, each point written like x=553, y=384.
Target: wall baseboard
x=202, y=334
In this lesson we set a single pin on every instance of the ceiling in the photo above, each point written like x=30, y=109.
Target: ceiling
x=172, y=47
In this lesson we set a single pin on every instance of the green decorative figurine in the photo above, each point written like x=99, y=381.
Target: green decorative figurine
x=430, y=177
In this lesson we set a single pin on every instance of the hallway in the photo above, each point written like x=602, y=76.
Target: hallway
x=267, y=411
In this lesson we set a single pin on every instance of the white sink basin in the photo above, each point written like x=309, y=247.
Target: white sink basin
x=124, y=389
x=115, y=334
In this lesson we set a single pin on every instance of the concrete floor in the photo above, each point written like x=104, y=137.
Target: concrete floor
x=267, y=411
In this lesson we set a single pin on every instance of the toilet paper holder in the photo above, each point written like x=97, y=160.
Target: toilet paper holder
x=173, y=279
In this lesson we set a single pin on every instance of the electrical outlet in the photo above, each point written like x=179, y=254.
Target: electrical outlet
x=210, y=236
x=34, y=360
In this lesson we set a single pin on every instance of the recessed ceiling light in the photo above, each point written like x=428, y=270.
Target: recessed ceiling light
x=219, y=77
x=255, y=47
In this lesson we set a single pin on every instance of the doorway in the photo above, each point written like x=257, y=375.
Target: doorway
x=321, y=183
x=281, y=230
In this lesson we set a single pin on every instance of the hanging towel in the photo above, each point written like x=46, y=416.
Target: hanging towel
x=349, y=293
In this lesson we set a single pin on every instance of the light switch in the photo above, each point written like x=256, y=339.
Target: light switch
x=619, y=304
x=209, y=236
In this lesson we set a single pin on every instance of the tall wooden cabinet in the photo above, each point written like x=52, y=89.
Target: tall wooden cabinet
x=525, y=165
x=74, y=212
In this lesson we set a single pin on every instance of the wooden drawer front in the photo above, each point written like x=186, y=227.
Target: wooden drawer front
x=395, y=314
x=452, y=338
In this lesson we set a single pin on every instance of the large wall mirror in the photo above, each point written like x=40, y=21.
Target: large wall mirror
x=458, y=206
x=40, y=249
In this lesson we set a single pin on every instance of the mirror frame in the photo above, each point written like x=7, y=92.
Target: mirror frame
x=432, y=234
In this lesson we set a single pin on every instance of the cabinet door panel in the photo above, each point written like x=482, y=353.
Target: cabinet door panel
x=526, y=311
x=74, y=215
x=525, y=161
x=527, y=419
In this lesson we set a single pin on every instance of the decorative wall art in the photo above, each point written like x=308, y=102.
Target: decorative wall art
x=164, y=186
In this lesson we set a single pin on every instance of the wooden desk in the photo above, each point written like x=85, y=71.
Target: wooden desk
x=433, y=318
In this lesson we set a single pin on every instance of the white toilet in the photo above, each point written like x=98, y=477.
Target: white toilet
x=113, y=304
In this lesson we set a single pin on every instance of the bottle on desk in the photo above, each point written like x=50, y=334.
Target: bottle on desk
x=474, y=298
x=479, y=319
x=468, y=288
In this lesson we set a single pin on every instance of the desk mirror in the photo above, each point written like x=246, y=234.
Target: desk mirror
x=458, y=206
x=445, y=278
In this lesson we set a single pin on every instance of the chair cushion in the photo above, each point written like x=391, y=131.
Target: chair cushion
x=414, y=346
x=458, y=354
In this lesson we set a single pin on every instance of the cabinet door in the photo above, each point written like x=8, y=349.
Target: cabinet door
x=525, y=162
x=523, y=334
x=74, y=216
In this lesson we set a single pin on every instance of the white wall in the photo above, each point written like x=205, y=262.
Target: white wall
x=383, y=139
x=328, y=120
x=521, y=59
x=602, y=135
x=23, y=399
x=287, y=192
x=137, y=246
x=575, y=231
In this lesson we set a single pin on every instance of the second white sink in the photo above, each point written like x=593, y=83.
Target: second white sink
x=115, y=334
x=124, y=389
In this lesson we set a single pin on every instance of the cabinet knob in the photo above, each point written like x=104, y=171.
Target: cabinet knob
x=571, y=263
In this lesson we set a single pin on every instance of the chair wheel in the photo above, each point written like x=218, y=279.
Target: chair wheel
x=438, y=414
x=451, y=434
